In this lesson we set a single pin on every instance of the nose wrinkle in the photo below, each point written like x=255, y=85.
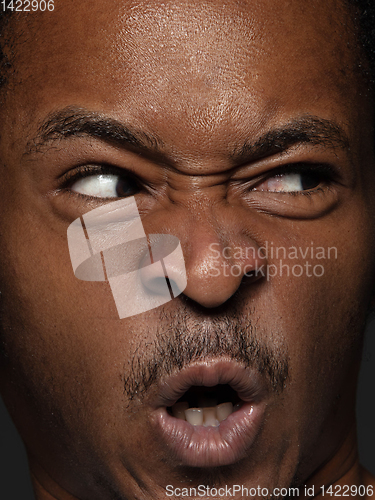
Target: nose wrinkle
x=109, y=243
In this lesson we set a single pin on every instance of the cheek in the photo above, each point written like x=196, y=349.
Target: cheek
x=64, y=365
x=318, y=312
x=319, y=321
x=58, y=351
x=323, y=295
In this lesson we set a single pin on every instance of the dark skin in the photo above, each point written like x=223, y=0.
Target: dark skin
x=205, y=80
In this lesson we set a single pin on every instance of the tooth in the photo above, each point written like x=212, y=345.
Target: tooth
x=237, y=406
x=209, y=417
x=194, y=416
x=223, y=411
x=178, y=409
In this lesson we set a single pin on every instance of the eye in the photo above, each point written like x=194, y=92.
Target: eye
x=96, y=182
x=305, y=190
x=292, y=181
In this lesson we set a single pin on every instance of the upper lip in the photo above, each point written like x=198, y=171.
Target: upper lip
x=247, y=382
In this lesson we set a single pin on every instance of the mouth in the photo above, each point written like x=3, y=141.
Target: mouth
x=206, y=406
x=210, y=414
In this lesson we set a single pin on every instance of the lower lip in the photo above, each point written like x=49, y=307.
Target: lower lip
x=199, y=446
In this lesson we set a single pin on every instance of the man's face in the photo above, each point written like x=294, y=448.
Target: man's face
x=258, y=134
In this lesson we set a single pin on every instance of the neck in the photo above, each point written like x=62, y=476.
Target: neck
x=45, y=488
x=341, y=470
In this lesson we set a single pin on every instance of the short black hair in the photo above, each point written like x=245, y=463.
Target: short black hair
x=363, y=12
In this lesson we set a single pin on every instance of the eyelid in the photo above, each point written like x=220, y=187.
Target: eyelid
x=69, y=179
x=323, y=169
x=326, y=171
x=83, y=171
x=80, y=172
x=302, y=204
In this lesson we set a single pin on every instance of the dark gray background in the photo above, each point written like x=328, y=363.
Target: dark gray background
x=15, y=483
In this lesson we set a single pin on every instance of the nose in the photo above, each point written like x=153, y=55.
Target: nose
x=216, y=268
x=217, y=259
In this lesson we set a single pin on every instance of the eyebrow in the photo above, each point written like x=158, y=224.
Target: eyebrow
x=307, y=129
x=78, y=122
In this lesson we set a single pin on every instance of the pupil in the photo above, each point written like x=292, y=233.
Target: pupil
x=309, y=181
x=125, y=187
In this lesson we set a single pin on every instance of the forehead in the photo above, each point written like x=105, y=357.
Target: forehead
x=207, y=65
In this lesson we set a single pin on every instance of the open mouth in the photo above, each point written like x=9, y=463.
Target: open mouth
x=207, y=406
x=210, y=414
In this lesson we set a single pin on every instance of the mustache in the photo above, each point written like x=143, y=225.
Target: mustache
x=184, y=340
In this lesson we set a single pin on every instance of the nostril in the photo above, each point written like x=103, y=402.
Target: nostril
x=157, y=285
x=251, y=277
x=166, y=275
